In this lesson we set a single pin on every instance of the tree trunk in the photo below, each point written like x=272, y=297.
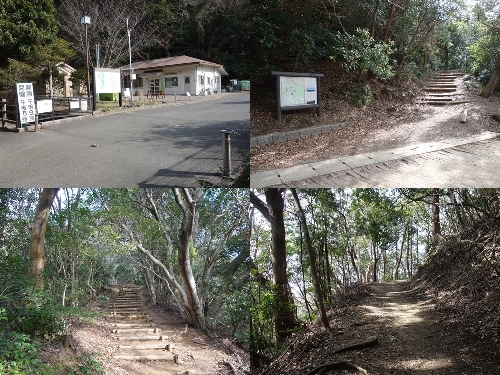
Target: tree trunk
x=194, y=308
x=312, y=262
x=492, y=82
x=400, y=256
x=388, y=23
x=375, y=13
x=436, y=223
x=37, y=236
x=285, y=322
x=375, y=260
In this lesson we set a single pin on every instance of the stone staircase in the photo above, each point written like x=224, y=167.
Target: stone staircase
x=442, y=89
x=138, y=337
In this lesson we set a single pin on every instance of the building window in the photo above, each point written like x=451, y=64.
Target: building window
x=186, y=80
x=201, y=79
x=171, y=82
x=208, y=81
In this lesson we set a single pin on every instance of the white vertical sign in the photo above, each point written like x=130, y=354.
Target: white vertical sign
x=26, y=102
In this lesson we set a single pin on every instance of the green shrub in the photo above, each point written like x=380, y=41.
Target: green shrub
x=19, y=356
x=362, y=95
x=35, y=314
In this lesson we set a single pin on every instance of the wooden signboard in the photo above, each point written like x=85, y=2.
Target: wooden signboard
x=297, y=91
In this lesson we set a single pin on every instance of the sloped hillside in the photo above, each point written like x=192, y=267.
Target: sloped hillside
x=462, y=276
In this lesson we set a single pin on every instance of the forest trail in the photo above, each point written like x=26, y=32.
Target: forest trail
x=135, y=337
x=413, y=337
x=146, y=342
x=390, y=332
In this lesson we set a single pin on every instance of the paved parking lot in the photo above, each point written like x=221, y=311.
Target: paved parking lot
x=463, y=162
x=171, y=145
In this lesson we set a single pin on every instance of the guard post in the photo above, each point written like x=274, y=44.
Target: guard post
x=226, y=152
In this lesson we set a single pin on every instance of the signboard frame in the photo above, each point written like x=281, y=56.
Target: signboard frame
x=281, y=77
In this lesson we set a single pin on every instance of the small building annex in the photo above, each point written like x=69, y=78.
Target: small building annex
x=175, y=75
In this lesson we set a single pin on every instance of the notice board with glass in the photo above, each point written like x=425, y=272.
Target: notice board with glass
x=297, y=91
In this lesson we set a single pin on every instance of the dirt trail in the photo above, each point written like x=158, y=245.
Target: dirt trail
x=413, y=337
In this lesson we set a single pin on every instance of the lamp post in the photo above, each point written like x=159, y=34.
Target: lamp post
x=132, y=75
x=85, y=20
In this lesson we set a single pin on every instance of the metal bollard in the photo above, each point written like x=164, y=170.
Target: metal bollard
x=226, y=152
x=36, y=122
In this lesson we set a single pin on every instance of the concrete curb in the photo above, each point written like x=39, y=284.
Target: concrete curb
x=315, y=169
x=295, y=134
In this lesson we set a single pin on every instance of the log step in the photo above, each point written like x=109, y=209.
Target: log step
x=165, y=357
x=132, y=325
x=434, y=89
x=147, y=346
x=142, y=338
x=129, y=330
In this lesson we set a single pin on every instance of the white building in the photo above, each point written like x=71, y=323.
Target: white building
x=175, y=75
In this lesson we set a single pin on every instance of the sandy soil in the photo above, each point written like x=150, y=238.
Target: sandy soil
x=395, y=119
x=413, y=338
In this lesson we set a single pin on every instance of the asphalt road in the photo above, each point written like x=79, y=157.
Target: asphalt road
x=172, y=145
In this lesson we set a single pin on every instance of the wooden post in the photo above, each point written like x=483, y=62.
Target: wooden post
x=4, y=112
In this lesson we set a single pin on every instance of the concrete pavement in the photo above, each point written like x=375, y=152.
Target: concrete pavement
x=460, y=162
x=170, y=145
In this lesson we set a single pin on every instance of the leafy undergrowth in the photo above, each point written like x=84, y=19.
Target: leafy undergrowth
x=462, y=276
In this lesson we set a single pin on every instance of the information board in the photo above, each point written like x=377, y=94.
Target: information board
x=26, y=102
x=107, y=80
x=298, y=91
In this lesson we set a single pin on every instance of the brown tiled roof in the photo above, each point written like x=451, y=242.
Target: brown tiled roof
x=170, y=61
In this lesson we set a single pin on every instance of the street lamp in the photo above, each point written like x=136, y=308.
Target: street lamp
x=132, y=75
x=85, y=20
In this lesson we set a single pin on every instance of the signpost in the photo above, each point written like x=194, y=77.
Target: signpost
x=297, y=91
x=26, y=103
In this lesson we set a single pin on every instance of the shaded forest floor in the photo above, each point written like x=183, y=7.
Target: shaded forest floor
x=197, y=351
x=445, y=320
x=412, y=338
x=394, y=118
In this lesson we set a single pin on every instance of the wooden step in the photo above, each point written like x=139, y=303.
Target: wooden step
x=147, y=346
x=165, y=357
x=431, y=89
x=129, y=330
x=142, y=338
x=132, y=325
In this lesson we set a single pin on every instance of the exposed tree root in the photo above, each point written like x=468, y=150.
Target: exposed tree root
x=338, y=366
x=345, y=365
x=363, y=345
x=231, y=366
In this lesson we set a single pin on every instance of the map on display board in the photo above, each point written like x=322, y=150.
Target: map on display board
x=107, y=80
x=296, y=91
